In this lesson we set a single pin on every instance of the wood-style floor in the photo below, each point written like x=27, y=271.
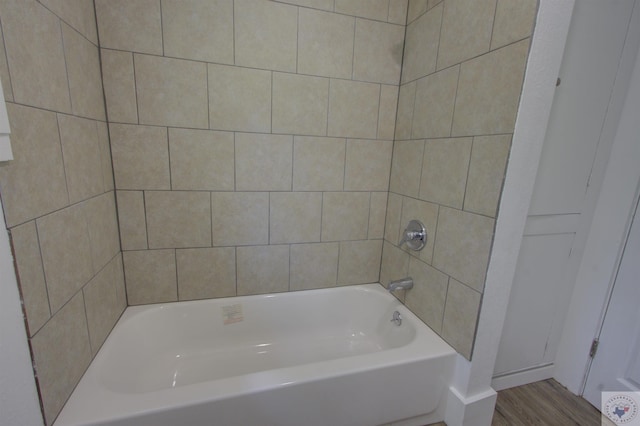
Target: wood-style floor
x=545, y=403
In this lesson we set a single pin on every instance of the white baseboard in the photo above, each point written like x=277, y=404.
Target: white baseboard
x=522, y=377
x=476, y=410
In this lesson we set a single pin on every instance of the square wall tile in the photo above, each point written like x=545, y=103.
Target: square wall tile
x=377, y=55
x=421, y=45
x=406, y=167
x=263, y=162
x=435, y=97
x=61, y=354
x=102, y=302
x=460, y=317
x=427, y=297
x=406, y=103
x=345, y=216
x=368, y=165
x=313, y=266
x=198, y=29
x=24, y=240
x=416, y=8
x=239, y=99
x=514, y=21
x=325, y=44
x=395, y=264
x=387, y=112
x=81, y=153
x=444, y=171
x=171, y=92
x=377, y=214
x=398, y=11
x=66, y=253
x=462, y=247
x=80, y=14
x=206, y=273
x=489, y=91
x=100, y=214
x=140, y=157
x=427, y=213
x=201, y=160
x=132, y=221
x=85, y=78
x=372, y=9
x=466, y=30
x=240, y=218
x=36, y=58
x=263, y=269
x=392, y=221
x=150, y=276
x=119, y=86
x=37, y=168
x=178, y=219
x=300, y=104
x=266, y=35
x=353, y=109
x=295, y=217
x=130, y=25
x=486, y=173
x=359, y=262
x=318, y=163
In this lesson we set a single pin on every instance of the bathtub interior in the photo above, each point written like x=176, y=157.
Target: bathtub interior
x=183, y=343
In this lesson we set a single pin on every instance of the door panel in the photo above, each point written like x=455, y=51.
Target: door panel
x=616, y=365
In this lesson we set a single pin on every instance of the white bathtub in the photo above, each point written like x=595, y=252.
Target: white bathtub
x=320, y=357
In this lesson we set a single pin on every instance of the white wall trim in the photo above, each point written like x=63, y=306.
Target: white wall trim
x=517, y=378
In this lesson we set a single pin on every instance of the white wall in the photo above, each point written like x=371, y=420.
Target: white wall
x=604, y=245
x=18, y=396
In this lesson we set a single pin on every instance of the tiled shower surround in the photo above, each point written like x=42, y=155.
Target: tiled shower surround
x=248, y=146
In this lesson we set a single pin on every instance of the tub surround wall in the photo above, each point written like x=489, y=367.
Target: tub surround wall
x=462, y=75
x=57, y=193
x=251, y=141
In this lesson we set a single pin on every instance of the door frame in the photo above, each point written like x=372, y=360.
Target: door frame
x=603, y=250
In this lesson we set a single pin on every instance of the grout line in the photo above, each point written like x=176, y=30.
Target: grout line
x=44, y=275
x=175, y=259
x=161, y=27
x=169, y=158
x=146, y=225
x=66, y=68
x=6, y=59
x=353, y=50
x=439, y=34
x=64, y=165
x=455, y=99
x=135, y=86
x=208, y=100
x=493, y=25
x=466, y=182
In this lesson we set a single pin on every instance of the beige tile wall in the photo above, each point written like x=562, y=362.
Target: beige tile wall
x=252, y=141
x=58, y=192
x=461, y=80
